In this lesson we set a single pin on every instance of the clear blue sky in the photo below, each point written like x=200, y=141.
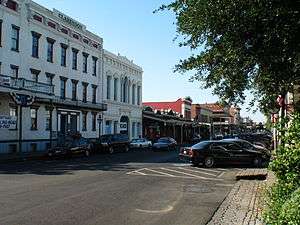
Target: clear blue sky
x=130, y=28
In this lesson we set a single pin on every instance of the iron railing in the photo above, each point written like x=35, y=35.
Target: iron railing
x=24, y=84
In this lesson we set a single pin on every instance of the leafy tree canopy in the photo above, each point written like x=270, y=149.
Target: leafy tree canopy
x=241, y=45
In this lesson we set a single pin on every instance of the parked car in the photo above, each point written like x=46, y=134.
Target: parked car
x=140, y=143
x=71, y=146
x=165, y=143
x=111, y=143
x=210, y=153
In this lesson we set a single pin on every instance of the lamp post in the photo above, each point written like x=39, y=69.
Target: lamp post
x=99, y=123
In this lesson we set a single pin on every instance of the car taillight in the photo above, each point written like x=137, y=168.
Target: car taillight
x=191, y=153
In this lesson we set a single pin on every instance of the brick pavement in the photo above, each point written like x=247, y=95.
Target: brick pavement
x=242, y=205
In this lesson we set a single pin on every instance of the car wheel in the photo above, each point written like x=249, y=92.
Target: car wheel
x=111, y=150
x=141, y=146
x=257, y=162
x=87, y=153
x=209, y=162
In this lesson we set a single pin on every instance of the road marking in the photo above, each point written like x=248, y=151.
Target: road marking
x=188, y=174
x=154, y=171
x=167, y=209
x=221, y=174
x=136, y=171
x=208, y=170
x=198, y=171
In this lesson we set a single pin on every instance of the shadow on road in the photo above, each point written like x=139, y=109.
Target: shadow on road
x=101, y=162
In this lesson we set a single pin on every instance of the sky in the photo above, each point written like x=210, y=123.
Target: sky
x=130, y=27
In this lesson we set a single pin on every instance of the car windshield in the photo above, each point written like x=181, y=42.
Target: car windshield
x=201, y=145
x=162, y=140
x=135, y=140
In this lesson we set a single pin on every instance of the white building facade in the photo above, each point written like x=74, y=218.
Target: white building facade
x=123, y=96
x=55, y=63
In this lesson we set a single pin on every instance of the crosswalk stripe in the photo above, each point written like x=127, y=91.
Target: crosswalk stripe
x=198, y=171
x=188, y=174
x=154, y=171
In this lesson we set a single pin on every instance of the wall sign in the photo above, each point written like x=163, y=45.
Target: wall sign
x=8, y=122
x=123, y=126
x=69, y=20
x=5, y=81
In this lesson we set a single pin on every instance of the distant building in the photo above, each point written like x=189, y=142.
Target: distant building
x=201, y=114
x=123, y=96
x=181, y=106
x=225, y=120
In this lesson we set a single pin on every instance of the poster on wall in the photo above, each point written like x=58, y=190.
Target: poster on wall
x=8, y=122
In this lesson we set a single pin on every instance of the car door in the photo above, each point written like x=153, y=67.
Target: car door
x=237, y=153
x=220, y=153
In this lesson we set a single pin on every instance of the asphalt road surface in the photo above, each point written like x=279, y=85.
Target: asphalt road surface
x=134, y=188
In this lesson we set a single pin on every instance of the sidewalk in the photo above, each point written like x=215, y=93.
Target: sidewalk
x=242, y=205
x=21, y=157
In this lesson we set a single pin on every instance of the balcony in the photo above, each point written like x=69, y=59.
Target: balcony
x=24, y=84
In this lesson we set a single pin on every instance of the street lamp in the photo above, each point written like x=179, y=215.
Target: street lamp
x=99, y=122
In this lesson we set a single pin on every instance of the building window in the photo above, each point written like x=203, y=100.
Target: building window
x=74, y=58
x=0, y=33
x=139, y=95
x=50, y=77
x=74, y=90
x=14, y=71
x=115, y=89
x=15, y=38
x=38, y=18
x=94, y=87
x=48, y=119
x=108, y=127
x=63, y=87
x=138, y=126
x=108, y=86
x=94, y=120
x=50, y=44
x=13, y=111
x=64, y=30
x=133, y=94
x=115, y=127
x=12, y=5
x=35, y=44
x=52, y=25
x=84, y=123
x=85, y=62
x=33, y=116
x=84, y=91
x=35, y=74
x=95, y=66
x=133, y=130
x=63, y=55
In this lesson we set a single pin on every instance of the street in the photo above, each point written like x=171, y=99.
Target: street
x=139, y=187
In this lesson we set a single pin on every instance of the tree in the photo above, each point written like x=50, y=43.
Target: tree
x=240, y=45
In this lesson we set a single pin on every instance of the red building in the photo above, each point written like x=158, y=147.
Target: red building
x=182, y=107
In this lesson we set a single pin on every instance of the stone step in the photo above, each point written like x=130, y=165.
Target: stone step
x=252, y=174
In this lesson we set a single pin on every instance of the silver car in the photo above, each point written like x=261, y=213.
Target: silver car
x=140, y=143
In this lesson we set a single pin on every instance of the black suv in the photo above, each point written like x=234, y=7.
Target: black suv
x=111, y=143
